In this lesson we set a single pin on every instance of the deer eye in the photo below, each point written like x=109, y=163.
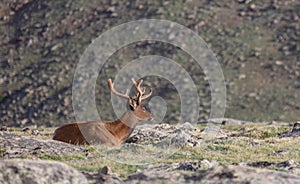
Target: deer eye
x=144, y=109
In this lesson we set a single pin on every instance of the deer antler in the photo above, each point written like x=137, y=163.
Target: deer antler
x=141, y=91
x=111, y=86
x=148, y=95
x=140, y=95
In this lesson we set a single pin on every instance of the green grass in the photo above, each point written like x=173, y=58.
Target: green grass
x=2, y=151
x=93, y=164
x=96, y=164
x=229, y=152
x=247, y=143
x=255, y=131
x=50, y=157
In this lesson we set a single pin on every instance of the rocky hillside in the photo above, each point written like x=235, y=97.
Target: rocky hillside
x=256, y=43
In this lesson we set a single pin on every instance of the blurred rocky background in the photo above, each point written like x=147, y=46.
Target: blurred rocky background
x=256, y=43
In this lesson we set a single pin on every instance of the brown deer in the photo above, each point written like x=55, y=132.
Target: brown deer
x=112, y=133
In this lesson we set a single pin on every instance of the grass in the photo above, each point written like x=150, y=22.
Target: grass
x=93, y=164
x=245, y=143
x=2, y=151
x=96, y=165
x=255, y=131
x=44, y=133
x=50, y=157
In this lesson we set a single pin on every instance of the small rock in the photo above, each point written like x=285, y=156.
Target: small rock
x=37, y=148
x=252, y=6
x=26, y=129
x=280, y=153
x=35, y=132
x=261, y=164
x=3, y=128
x=57, y=46
x=242, y=13
x=295, y=132
x=296, y=127
x=24, y=121
x=189, y=166
x=105, y=170
x=278, y=62
x=287, y=163
x=242, y=76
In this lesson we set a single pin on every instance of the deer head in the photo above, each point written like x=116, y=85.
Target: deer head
x=135, y=102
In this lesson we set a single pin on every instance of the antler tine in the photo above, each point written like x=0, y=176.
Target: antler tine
x=137, y=85
x=141, y=91
x=111, y=86
x=127, y=92
x=138, y=88
x=148, y=95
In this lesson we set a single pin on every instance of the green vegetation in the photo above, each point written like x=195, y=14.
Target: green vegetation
x=93, y=164
x=2, y=151
x=50, y=157
x=255, y=131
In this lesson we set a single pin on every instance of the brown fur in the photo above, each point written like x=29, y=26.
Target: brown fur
x=97, y=132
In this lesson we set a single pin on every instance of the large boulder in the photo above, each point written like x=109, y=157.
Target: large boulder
x=17, y=171
x=196, y=173
x=295, y=132
x=16, y=146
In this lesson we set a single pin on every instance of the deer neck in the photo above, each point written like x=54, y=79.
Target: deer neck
x=124, y=126
x=129, y=119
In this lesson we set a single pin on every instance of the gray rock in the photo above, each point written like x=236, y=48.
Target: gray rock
x=225, y=121
x=16, y=146
x=239, y=174
x=289, y=166
x=37, y=171
x=165, y=135
x=219, y=174
x=3, y=128
x=104, y=176
x=295, y=132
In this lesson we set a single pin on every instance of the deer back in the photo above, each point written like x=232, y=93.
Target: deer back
x=93, y=132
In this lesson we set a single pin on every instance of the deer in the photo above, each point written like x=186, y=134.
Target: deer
x=110, y=133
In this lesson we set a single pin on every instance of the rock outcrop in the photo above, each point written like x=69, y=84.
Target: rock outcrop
x=17, y=145
x=19, y=171
x=219, y=174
